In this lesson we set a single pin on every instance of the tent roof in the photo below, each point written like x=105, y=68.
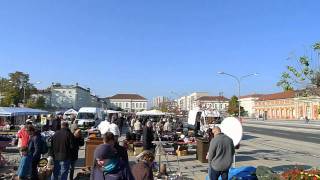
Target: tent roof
x=151, y=113
x=70, y=111
x=15, y=111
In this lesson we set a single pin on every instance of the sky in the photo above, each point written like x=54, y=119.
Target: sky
x=156, y=47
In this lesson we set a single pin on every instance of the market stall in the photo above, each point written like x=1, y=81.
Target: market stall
x=18, y=116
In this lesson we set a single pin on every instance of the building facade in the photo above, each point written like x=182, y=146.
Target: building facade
x=157, y=101
x=219, y=103
x=69, y=96
x=186, y=103
x=128, y=102
x=248, y=103
x=287, y=105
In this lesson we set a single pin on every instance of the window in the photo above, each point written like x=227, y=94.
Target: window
x=132, y=105
x=140, y=105
x=144, y=105
x=220, y=106
x=127, y=105
x=215, y=106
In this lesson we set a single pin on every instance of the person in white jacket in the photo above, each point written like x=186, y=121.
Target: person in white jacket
x=104, y=127
x=114, y=129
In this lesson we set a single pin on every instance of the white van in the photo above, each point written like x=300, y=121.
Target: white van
x=89, y=116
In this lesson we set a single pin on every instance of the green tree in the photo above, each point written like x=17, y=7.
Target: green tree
x=39, y=103
x=233, y=108
x=16, y=88
x=305, y=72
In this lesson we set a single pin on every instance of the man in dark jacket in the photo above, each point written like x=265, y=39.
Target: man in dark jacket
x=56, y=123
x=220, y=155
x=148, y=136
x=62, y=149
x=34, y=149
x=78, y=141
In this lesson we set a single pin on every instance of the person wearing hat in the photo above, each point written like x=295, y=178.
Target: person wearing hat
x=107, y=166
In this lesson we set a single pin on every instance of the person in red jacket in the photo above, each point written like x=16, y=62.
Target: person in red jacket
x=23, y=136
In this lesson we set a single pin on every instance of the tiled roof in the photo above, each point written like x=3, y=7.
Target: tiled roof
x=281, y=95
x=212, y=98
x=251, y=96
x=127, y=96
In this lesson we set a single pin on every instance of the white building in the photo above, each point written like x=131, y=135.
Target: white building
x=248, y=103
x=157, y=101
x=69, y=96
x=129, y=102
x=186, y=103
x=219, y=103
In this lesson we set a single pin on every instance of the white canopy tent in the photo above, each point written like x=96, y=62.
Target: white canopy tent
x=70, y=112
x=153, y=112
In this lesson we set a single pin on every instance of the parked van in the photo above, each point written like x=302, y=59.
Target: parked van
x=89, y=116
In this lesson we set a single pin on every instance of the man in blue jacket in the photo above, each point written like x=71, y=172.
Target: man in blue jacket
x=34, y=149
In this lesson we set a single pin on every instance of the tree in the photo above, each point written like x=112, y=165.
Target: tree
x=233, y=108
x=39, y=103
x=304, y=73
x=16, y=88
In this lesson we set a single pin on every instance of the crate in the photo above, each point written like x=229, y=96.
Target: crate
x=182, y=153
x=137, y=150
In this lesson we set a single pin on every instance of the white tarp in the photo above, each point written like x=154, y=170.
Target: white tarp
x=112, y=112
x=15, y=111
x=70, y=112
x=151, y=113
x=211, y=113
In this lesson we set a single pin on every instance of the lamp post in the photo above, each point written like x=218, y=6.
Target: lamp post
x=238, y=79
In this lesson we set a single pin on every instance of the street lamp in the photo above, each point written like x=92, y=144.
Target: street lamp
x=238, y=79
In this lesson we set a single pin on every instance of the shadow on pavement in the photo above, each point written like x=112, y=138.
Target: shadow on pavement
x=256, y=152
x=248, y=137
x=287, y=167
x=244, y=158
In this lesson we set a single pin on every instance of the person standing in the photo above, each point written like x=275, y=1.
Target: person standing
x=62, y=149
x=78, y=141
x=23, y=136
x=25, y=165
x=108, y=166
x=220, y=155
x=147, y=136
x=34, y=149
x=56, y=123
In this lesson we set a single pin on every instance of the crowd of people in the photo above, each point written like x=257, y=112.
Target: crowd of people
x=60, y=141
x=55, y=140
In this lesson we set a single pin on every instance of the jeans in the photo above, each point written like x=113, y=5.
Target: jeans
x=214, y=175
x=60, y=170
x=35, y=163
x=72, y=166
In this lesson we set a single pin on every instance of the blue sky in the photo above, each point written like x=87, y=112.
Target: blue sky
x=155, y=47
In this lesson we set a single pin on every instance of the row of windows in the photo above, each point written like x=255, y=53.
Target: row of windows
x=134, y=105
x=274, y=102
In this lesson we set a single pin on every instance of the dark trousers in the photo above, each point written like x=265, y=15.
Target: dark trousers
x=72, y=166
x=34, y=174
x=214, y=175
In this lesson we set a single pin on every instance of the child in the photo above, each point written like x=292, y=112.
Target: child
x=25, y=166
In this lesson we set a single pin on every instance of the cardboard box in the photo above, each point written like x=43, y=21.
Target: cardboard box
x=138, y=150
x=182, y=153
